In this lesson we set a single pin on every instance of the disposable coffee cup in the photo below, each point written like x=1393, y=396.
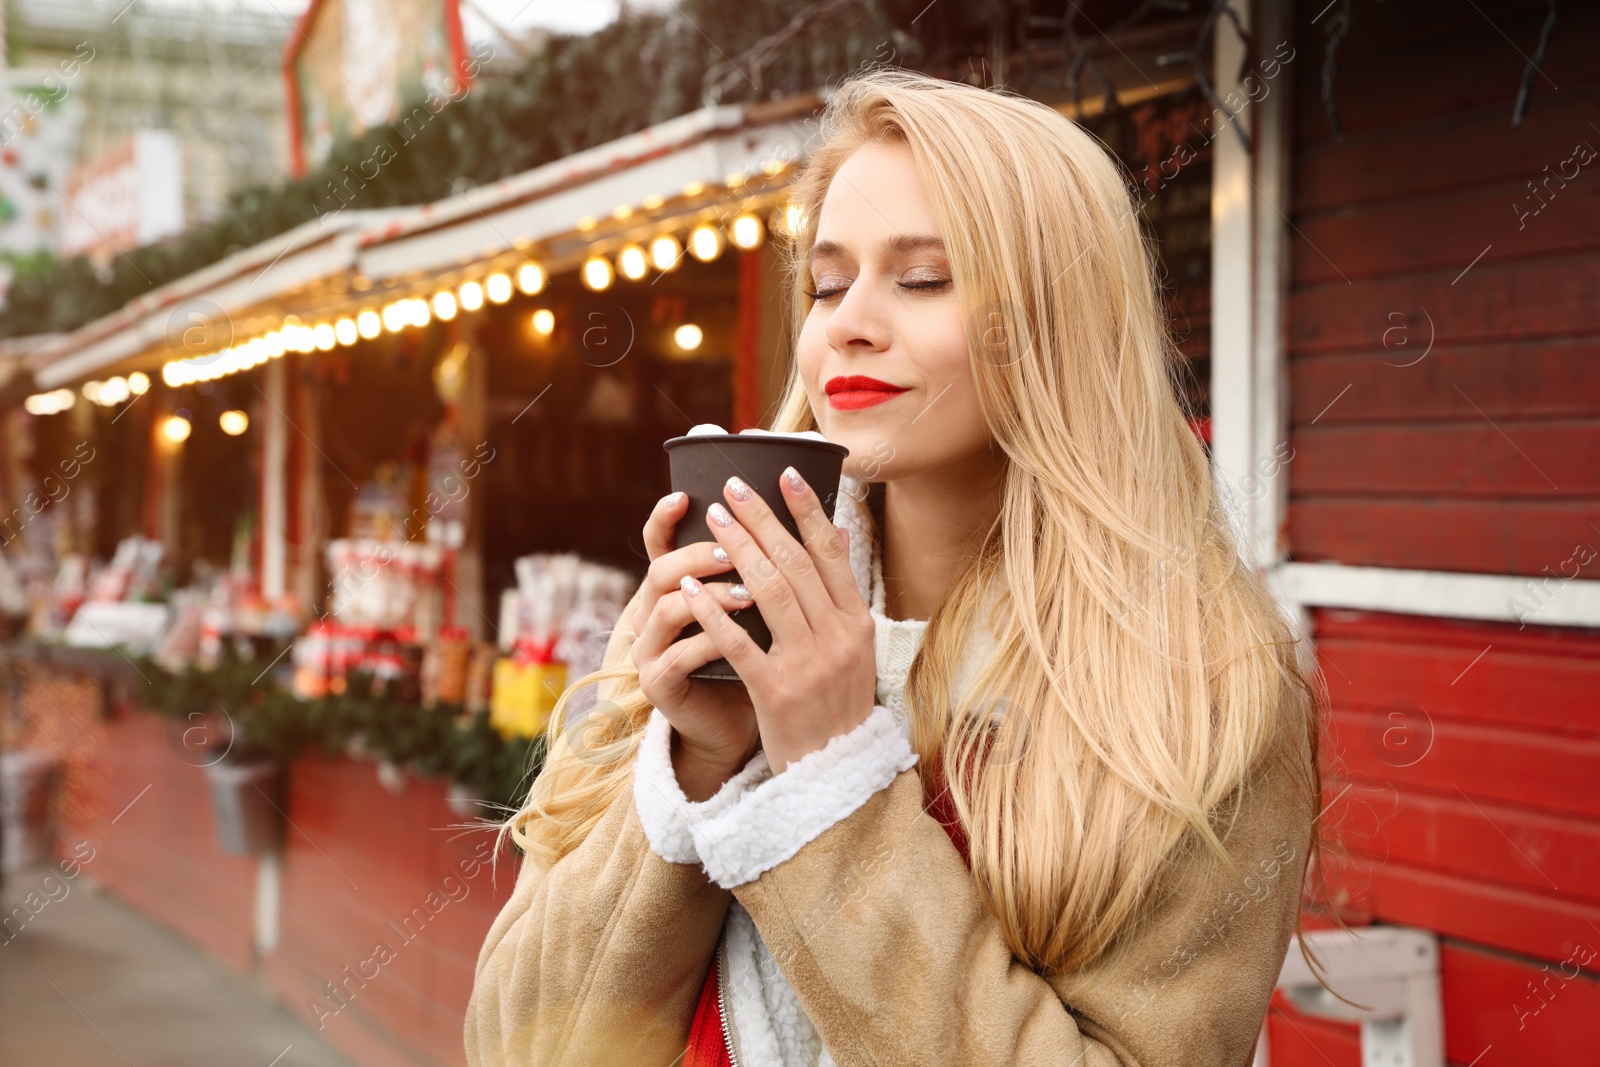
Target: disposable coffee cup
x=701, y=465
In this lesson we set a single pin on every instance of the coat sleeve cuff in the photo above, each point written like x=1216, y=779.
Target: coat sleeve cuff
x=666, y=814
x=773, y=820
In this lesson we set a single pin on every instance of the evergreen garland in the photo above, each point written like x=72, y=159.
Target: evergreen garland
x=267, y=722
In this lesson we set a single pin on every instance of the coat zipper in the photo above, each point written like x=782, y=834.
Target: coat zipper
x=722, y=1000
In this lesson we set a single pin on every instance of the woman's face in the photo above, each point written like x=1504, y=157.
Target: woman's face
x=886, y=310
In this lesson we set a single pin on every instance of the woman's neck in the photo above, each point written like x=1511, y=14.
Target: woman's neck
x=931, y=526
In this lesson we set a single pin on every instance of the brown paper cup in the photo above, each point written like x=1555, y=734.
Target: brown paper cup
x=701, y=465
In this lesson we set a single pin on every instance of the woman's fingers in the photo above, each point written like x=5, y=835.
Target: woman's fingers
x=798, y=585
x=689, y=654
x=780, y=606
x=732, y=642
x=663, y=520
x=827, y=544
x=700, y=558
x=672, y=613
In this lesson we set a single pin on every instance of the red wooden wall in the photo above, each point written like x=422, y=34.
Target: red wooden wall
x=146, y=819
x=360, y=866
x=1445, y=415
x=363, y=866
x=1484, y=454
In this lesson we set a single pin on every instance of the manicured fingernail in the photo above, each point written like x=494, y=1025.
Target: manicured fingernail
x=689, y=586
x=739, y=592
x=672, y=499
x=720, y=554
x=792, y=476
x=721, y=515
x=737, y=487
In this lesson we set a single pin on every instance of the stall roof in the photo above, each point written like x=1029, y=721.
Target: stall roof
x=705, y=146
x=231, y=285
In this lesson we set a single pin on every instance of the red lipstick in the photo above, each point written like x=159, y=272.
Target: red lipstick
x=851, y=391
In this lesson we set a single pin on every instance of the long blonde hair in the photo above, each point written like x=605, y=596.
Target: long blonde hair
x=1143, y=670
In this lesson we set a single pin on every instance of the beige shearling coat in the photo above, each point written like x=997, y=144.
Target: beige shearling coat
x=600, y=960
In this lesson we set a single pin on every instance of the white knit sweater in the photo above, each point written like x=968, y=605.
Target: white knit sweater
x=758, y=819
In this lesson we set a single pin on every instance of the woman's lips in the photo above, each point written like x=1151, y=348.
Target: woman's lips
x=851, y=399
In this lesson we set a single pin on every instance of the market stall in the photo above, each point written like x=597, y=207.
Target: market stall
x=336, y=521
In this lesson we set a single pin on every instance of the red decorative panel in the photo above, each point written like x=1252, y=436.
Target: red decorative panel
x=147, y=816
x=385, y=904
x=1443, y=331
x=1460, y=800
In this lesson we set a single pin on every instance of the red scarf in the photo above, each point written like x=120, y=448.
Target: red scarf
x=708, y=1045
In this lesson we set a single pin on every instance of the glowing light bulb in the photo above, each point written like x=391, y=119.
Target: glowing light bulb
x=176, y=428
x=139, y=383
x=631, y=262
x=323, y=337
x=498, y=288
x=345, y=331
x=748, y=232
x=444, y=305
x=544, y=322
x=233, y=423
x=112, y=392
x=705, y=243
x=368, y=324
x=688, y=336
x=597, y=273
x=665, y=251
x=530, y=278
x=471, y=296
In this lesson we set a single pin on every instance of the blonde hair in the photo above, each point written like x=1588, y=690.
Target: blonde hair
x=1144, y=672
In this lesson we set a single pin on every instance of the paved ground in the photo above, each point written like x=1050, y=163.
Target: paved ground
x=90, y=982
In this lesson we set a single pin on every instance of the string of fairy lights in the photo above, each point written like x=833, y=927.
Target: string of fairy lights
x=598, y=272
x=634, y=261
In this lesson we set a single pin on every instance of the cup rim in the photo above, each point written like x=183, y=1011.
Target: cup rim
x=752, y=438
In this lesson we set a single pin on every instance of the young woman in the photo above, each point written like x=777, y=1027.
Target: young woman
x=1027, y=579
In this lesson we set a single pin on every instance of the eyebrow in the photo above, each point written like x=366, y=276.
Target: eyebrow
x=900, y=243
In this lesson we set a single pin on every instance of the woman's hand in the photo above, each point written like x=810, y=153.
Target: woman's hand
x=820, y=677
x=714, y=725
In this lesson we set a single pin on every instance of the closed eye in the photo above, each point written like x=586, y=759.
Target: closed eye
x=824, y=295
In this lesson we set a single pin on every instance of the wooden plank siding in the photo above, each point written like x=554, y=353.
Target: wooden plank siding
x=1482, y=455
x=1444, y=361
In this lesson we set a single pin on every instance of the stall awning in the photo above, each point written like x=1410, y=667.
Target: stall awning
x=246, y=279
x=676, y=169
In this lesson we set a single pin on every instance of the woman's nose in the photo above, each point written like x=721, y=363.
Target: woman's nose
x=859, y=318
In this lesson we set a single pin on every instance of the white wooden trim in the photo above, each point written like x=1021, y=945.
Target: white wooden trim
x=1238, y=443
x=1546, y=600
x=274, y=421
x=1270, y=124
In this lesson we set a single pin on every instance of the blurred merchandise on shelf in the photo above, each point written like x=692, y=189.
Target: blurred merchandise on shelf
x=380, y=506
x=445, y=667
x=387, y=585
x=560, y=615
x=525, y=692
